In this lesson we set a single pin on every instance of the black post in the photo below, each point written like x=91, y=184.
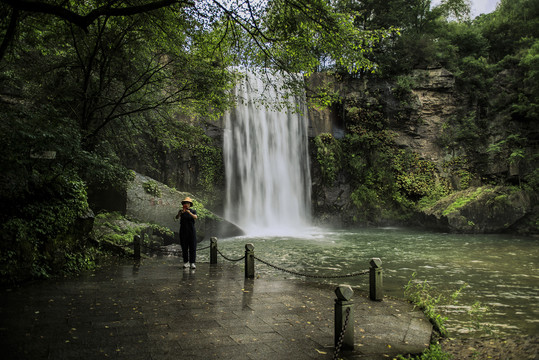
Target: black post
x=249, y=261
x=344, y=318
x=376, y=280
x=213, y=250
x=136, y=247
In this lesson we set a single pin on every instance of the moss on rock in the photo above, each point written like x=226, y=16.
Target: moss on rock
x=486, y=209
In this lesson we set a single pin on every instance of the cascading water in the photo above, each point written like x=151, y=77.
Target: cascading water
x=267, y=162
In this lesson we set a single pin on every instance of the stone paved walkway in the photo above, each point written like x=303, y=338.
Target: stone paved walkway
x=158, y=310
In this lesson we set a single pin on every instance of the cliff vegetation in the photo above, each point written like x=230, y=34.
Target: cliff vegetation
x=451, y=112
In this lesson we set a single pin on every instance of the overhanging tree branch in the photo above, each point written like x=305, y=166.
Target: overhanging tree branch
x=83, y=21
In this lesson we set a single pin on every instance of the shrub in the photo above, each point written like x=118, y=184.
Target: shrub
x=328, y=156
x=152, y=188
x=41, y=237
x=433, y=352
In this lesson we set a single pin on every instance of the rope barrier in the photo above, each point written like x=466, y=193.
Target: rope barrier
x=153, y=249
x=161, y=250
x=164, y=251
x=341, y=336
x=178, y=252
x=226, y=258
x=364, y=272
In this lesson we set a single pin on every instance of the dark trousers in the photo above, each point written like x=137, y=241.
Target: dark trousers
x=189, y=248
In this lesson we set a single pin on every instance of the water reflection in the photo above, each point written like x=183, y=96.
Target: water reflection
x=501, y=271
x=248, y=289
x=136, y=267
x=188, y=274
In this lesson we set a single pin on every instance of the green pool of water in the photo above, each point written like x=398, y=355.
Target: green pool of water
x=500, y=271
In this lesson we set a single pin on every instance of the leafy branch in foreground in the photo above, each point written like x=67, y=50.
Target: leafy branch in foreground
x=421, y=294
x=433, y=352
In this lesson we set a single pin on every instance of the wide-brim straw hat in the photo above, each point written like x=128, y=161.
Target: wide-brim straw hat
x=187, y=200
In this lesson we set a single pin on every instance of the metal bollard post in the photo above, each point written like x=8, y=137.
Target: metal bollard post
x=136, y=247
x=213, y=250
x=344, y=318
x=376, y=280
x=249, y=261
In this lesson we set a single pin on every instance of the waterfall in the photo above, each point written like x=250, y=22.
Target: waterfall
x=268, y=185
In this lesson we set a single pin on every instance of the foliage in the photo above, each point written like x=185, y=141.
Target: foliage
x=152, y=188
x=403, y=87
x=504, y=28
x=496, y=82
x=493, y=58
x=202, y=212
x=367, y=147
x=460, y=168
x=515, y=145
x=328, y=156
x=465, y=199
x=421, y=294
x=433, y=352
x=388, y=182
x=496, y=91
x=512, y=145
x=324, y=95
x=532, y=180
x=474, y=76
x=526, y=106
x=414, y=176
x=461, y=133
x=210, y=164
x=475, y=314
x=417, y=43
x=115, y=234
x=39, y=237
x=494, y=61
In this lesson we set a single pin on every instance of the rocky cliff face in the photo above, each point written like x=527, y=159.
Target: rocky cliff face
x=423, y=117
x=434, y=102
x=153, y=202
x=431, y=101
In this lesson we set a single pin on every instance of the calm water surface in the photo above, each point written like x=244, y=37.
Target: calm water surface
x=501, y=272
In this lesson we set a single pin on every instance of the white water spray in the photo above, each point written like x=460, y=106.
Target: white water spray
x=267, y=163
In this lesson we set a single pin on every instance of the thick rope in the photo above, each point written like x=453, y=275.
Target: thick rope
x=226, y=258
x=313, y=276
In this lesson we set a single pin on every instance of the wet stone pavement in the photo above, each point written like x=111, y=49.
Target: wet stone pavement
x=158, y=310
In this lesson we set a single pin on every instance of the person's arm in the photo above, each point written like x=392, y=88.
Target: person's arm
x=193, y=213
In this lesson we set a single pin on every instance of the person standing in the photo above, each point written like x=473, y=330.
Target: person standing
x=188, y=235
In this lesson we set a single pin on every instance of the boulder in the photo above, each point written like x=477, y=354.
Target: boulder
x=487, y=209
x=150, y=201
